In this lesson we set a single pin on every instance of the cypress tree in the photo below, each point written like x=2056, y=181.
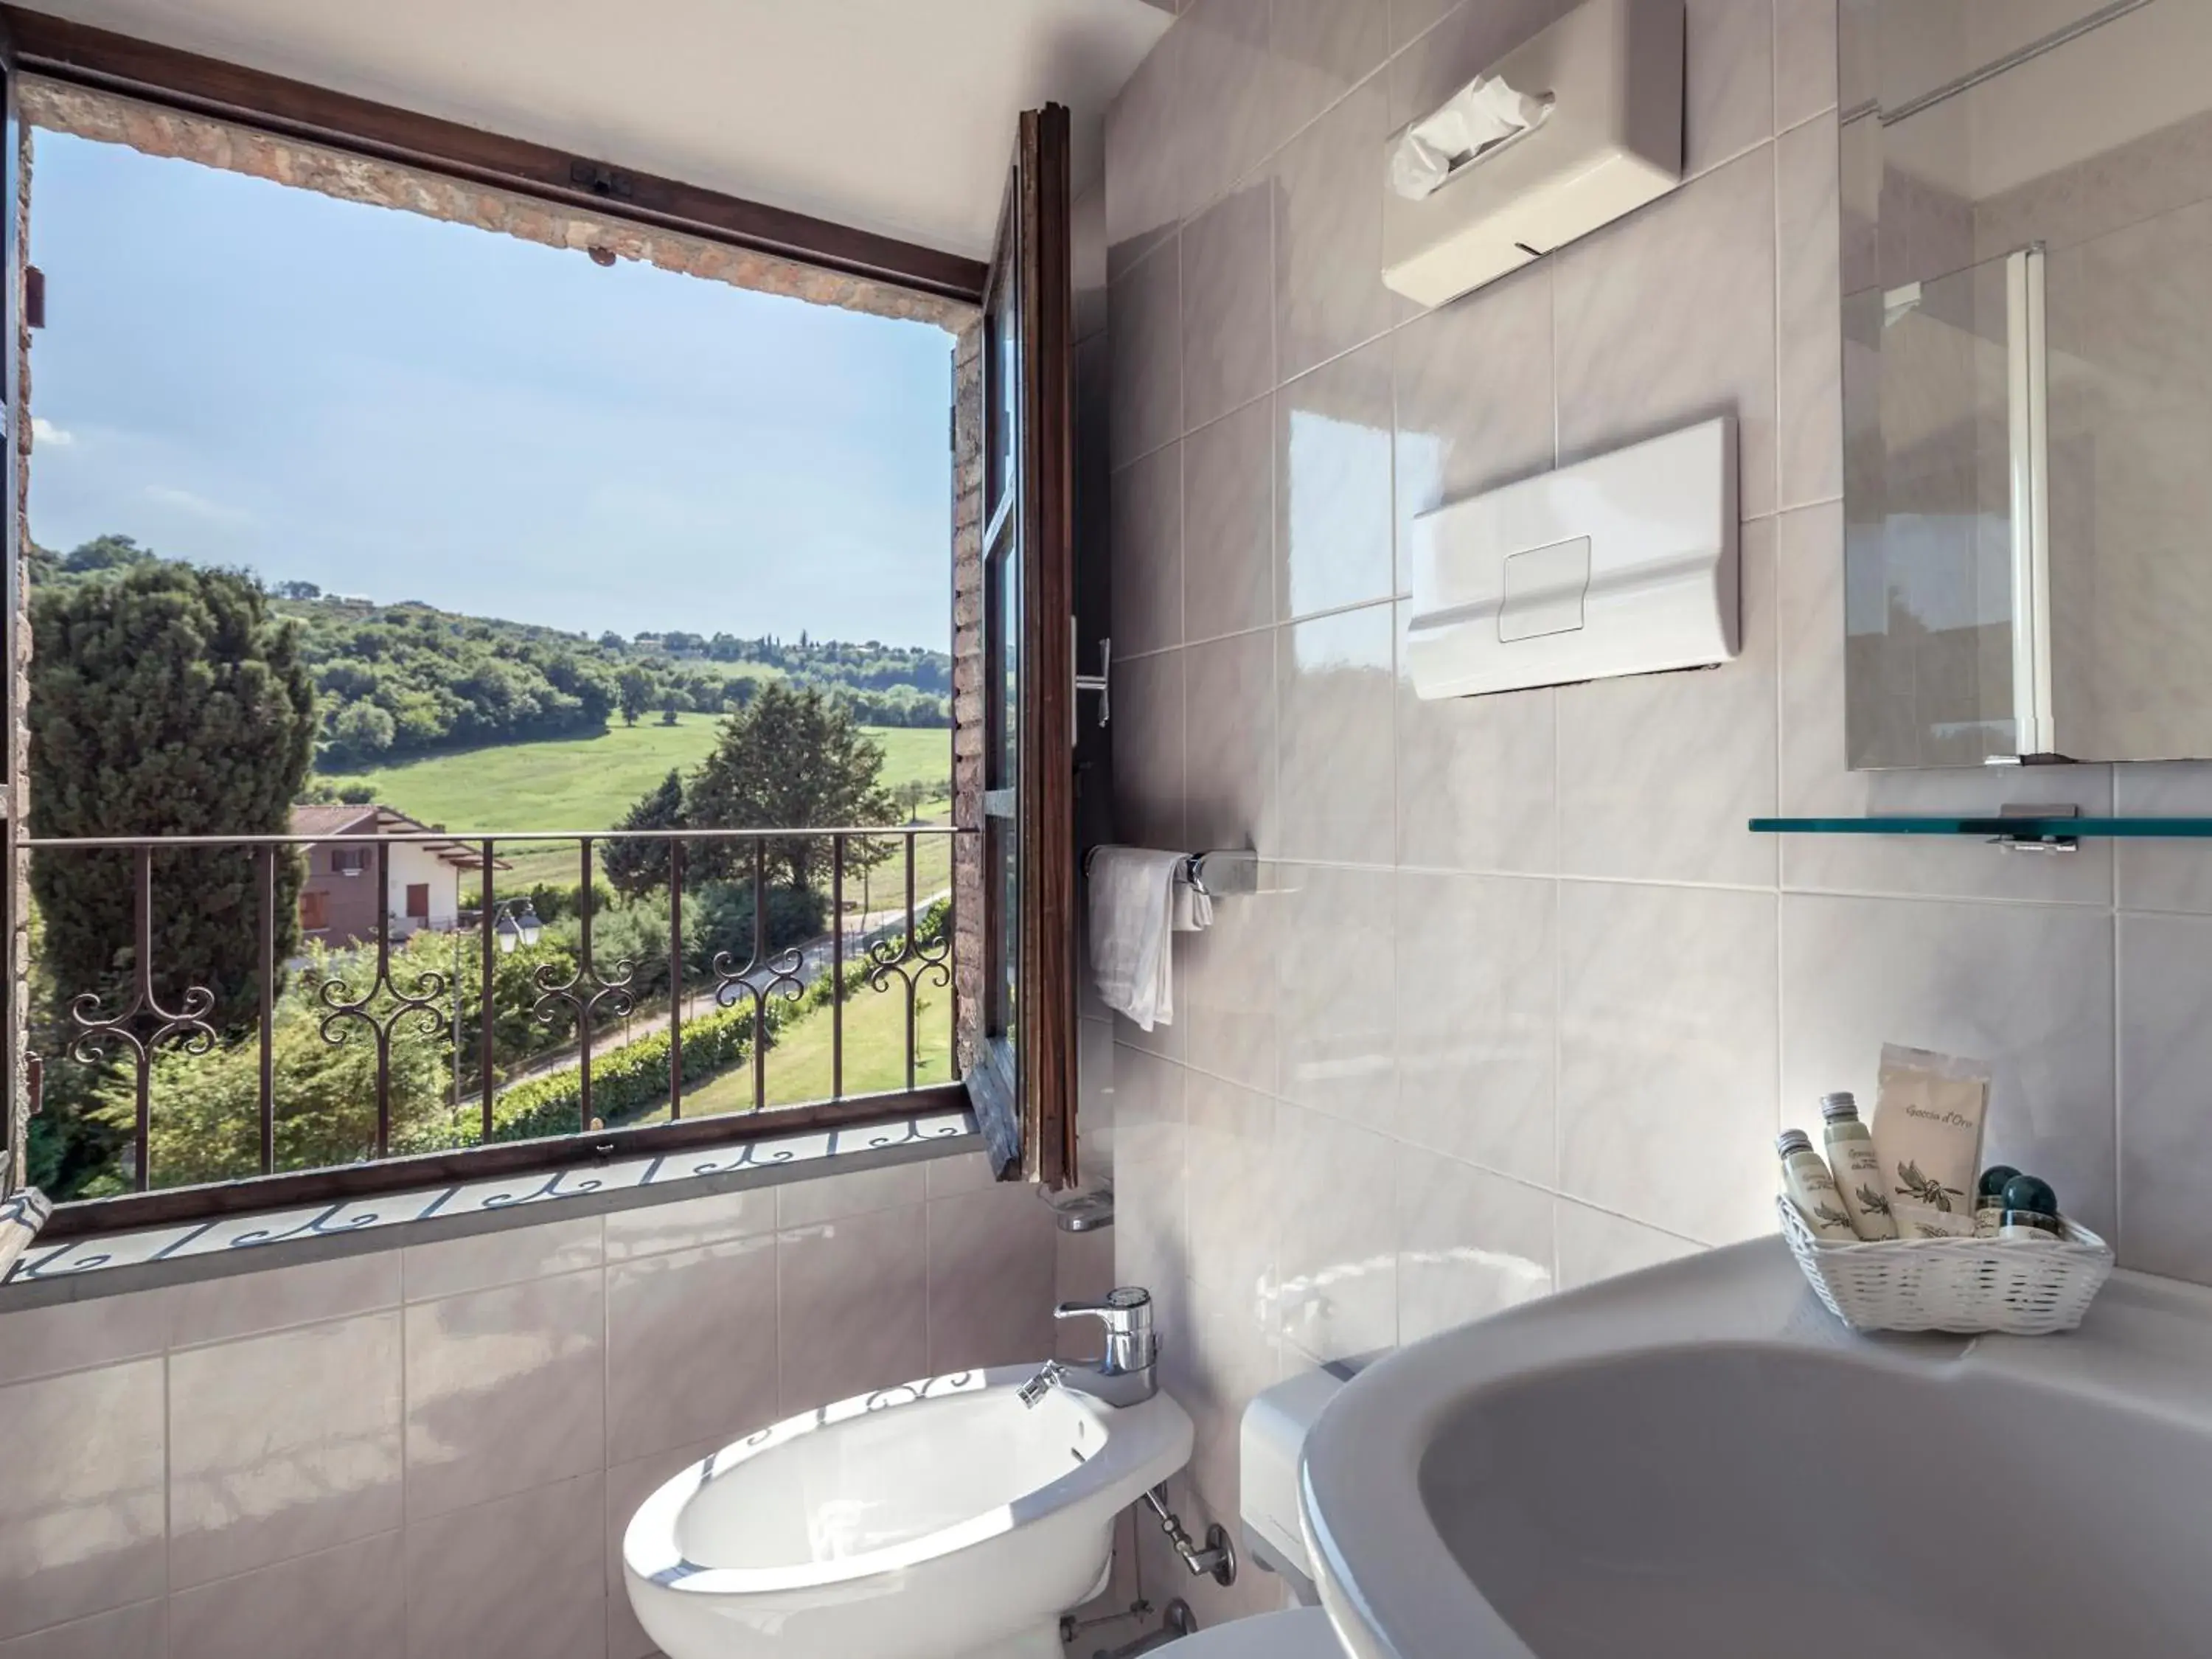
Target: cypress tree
x=164, y=700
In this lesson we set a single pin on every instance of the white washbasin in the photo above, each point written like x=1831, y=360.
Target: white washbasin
x=1698, y=1462
x=940, y=1519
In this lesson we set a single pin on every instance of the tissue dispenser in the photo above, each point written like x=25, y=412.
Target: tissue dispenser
x=1624, y=564
x=1611, y=140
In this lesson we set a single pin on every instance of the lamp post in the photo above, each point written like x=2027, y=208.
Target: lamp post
x=515, y=923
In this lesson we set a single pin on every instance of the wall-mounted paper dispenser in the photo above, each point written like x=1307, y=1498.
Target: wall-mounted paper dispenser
x=1626, y=564
x=1567, y=132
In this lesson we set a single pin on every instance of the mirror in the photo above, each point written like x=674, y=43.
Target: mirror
x=2027, y=379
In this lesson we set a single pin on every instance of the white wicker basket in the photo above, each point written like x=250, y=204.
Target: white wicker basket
x=1963, y=1285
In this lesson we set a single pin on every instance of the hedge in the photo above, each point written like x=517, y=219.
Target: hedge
x=632, y=1080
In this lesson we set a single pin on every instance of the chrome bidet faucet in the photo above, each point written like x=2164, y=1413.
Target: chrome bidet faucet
x=1128, y=1371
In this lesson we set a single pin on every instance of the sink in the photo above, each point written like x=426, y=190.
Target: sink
x=1699, y=1461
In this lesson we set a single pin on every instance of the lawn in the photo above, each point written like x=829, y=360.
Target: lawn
x=875, y=1055
x=588, y=783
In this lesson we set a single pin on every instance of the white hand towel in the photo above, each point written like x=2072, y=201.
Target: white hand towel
x=1133, y=901
x=1193, y=910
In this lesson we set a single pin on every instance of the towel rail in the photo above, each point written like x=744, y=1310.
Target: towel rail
x=1226, y=872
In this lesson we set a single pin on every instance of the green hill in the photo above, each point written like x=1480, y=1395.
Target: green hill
x=397, y=680
x=587, y=783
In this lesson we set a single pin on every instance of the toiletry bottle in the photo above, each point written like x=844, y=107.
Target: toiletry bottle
x=2031, y=1213
x=1989, y=1200
x=1805, y=1177
x=1857, y=1171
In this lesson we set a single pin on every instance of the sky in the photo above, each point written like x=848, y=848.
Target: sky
x=240, y=373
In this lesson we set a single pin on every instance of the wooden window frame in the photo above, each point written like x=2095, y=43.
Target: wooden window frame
x=48, y=48
x=77, y=55
x=1025, y=1088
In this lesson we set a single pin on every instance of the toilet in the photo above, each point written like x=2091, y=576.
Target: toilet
x=1268, y=1446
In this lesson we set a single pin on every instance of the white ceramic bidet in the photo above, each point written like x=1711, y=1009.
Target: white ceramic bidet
x=938, y=1520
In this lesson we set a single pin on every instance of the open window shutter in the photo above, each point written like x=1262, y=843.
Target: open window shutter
x=1022, y=1076
x=14, y=1092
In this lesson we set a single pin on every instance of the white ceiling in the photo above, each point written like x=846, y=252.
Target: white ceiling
x=895, y=116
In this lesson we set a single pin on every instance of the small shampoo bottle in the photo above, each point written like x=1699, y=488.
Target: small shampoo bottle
x=1805, y=1177
x=1857, y=1171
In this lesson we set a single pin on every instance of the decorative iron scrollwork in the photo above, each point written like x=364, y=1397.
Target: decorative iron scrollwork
x=144, y=1024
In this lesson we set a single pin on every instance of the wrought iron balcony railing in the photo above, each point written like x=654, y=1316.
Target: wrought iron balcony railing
x=188, y=1070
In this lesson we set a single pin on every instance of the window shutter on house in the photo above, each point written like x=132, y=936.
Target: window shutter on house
x=1018, y=598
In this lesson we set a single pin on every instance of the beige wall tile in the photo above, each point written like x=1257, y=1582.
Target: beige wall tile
x=348, y=1602
x=1691, y=337
x=506, y=1390
x=1228, y=337
x=71, y=1336
x=993, y=1257
x=1667, y=1028
x=1333, y=481
x=281, y=1445
x=524, y=1576
x=1336, y=767
x=1476, y=1027
x=269, y=1298
x=134, y=1632
x=1804, y=60
x=691, y=1346
x=1328, y=291
x=82, y=1530
x=1146, y=516
x=510, y=1255
x=1228, y=528
x=1229, y=741
x=1470, y=1243
x=1728, y=91
x=690, y=1223
x=854, y=1300
x=1702, y=742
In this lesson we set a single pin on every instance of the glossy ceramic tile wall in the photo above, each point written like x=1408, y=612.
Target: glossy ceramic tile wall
x=433, y=1452
x=1526, y=1005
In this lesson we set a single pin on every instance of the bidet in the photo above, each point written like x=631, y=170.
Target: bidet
x=940, y=1519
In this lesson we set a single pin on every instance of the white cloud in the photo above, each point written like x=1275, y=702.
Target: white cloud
x=198, y=506
x=45, y=434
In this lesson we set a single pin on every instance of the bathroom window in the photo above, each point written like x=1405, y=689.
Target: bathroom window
x=710, y=964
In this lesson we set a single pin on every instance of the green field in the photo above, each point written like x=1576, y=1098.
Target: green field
x=588, y=783
x=799, y=1069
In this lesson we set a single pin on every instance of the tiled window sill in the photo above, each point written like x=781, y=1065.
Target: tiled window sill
x=112, y=1263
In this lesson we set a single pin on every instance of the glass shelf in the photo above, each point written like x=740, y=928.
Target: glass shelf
x=2012, y=829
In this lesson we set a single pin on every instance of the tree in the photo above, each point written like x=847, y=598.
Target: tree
x=636, y=691
x=164, y=700
x=296, y=590
x=637, y=868
x=361, y=730
x=789, y=759
x=668, y=709
x=106, y=553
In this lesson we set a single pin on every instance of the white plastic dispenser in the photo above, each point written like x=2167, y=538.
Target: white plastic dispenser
x=1624, y=564
x=1567, y=132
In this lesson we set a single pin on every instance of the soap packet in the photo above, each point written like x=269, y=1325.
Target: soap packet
x=1928, y=1118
